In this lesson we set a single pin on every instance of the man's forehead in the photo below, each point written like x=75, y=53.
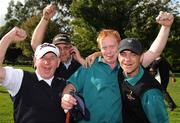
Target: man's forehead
x=107, y=43
x=127, y=51
x=63, y=45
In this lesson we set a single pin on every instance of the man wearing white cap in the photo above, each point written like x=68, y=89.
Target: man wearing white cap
x=35, y=95
x=70, y=56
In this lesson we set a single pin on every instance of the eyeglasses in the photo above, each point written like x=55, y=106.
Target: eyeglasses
x=65, y=48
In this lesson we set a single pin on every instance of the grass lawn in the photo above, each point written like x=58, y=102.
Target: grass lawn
x=6, y=109
x=174, y=90
x=6, y=112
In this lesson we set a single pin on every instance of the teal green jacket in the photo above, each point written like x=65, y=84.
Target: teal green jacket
x=98, y=85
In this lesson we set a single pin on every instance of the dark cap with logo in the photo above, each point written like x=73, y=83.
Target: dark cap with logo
x=61, y=39
x=130, y=44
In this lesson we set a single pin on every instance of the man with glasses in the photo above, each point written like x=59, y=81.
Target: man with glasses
x=70, y=57
x=68, y=63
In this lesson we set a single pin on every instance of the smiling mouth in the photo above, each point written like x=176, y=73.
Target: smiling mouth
x=47, y=69
x=128, y=65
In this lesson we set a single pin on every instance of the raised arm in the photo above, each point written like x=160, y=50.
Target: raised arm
x=39, y=32
x=91, y=58
x=166, y=20
x=77, y=56
x=14, y=35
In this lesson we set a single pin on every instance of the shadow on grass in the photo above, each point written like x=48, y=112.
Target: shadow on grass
x=3, y=91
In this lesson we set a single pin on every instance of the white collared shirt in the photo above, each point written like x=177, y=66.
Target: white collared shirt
x=48, y=81
x=157, y=76
x=13, y=80
x=67, y=64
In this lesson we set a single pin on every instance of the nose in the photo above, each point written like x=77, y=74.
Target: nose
x=110, y=52
x=127, y=58
x=62, y=51
x=46, y=61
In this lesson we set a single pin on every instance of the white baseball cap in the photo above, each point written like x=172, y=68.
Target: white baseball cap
x=44, y=48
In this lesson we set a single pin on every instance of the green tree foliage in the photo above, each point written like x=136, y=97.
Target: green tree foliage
x=12, y=55
x=27, y=15
x=22, y=12
x=7, y=27
x=93, y=15
x=131, y=18
x=83, y=37
x=29, y=25
x=172, y=50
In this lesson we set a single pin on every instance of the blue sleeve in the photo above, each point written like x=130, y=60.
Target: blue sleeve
x=154, y=106
x=78, y=78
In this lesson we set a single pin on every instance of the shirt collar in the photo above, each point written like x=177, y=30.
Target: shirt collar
x=136, y=78
x=100, y=59
x=67, y=64
x=48, y=81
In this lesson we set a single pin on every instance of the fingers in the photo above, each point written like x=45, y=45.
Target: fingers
x=89, y=60
x=16, y=34
x=85, y=65
x=67, y=102
x=49, y=11
x=21, y=33
x=165, y=18
x=75, y=52
x=74, y=49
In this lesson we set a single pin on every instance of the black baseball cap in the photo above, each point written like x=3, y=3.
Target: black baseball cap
x=130, y=44
x=61, y=39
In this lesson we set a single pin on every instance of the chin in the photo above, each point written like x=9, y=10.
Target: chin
x=47, y=76
x=111, y=61
x=128, y=71
x=63, y=60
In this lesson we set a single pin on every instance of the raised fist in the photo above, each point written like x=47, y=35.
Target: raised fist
x=165, y=18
